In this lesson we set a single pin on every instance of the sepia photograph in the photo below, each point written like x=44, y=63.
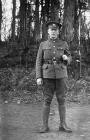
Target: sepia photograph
x=44, y=69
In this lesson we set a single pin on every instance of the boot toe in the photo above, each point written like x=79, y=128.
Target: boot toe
x=44, y=130
x=64, y=129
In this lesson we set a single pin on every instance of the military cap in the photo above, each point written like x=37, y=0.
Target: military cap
x=53, y=25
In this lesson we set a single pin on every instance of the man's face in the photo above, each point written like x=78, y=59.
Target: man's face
x=53, y=32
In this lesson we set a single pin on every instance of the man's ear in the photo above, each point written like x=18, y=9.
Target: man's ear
x=48, y=31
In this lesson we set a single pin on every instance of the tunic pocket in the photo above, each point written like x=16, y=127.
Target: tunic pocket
x=60, y=51
x=47, y=53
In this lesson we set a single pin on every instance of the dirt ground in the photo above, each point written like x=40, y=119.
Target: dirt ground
x=22, y=122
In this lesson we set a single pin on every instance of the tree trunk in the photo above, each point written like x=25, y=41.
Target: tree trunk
x=23, y=6
x=37, y=22
x=13, y=21
x=76, y=28
x=68, y=21
x=43, y=20
x=55, y=8
x=0, y=17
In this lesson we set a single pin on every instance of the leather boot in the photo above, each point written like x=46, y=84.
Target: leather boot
x=63, y=126
x=45, y=128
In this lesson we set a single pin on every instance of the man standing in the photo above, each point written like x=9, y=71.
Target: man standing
x=51, y=72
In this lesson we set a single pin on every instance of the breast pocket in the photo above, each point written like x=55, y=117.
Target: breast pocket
x=60, y=51
x=47, y=53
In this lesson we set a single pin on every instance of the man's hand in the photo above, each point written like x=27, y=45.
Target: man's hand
x=65, y=57
x=39, y=81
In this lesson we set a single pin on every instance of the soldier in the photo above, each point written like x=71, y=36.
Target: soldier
x=51, y=72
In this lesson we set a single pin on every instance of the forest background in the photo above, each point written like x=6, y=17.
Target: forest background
x=19, y=42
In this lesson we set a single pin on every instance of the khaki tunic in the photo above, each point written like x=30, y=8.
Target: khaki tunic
x=48, y=51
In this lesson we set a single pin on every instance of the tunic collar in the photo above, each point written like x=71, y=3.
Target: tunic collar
x=53, y=40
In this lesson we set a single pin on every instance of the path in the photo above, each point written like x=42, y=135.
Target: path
x=21, y=122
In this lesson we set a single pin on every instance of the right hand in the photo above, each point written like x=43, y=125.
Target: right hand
x=39, y=81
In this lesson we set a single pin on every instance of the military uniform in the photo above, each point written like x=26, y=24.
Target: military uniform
x=53, y=70
x=49, y=63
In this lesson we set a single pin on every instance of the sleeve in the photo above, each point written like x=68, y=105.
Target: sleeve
x=67, y=52
x=39, y=62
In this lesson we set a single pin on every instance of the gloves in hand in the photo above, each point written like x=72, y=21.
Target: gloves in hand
x=65, y=59
x=39, y=81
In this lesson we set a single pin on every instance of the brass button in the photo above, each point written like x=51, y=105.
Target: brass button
x=54, y=58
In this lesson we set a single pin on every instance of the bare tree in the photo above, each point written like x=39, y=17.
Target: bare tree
x=13, y=19
x=0, y=17
x=37, y=21
x=23, y=7
x=68, y=21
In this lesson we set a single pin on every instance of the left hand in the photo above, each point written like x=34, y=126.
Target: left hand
x=39, y=81
x=65, y=57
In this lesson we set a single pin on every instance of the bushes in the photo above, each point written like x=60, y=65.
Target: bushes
x=19, y=85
